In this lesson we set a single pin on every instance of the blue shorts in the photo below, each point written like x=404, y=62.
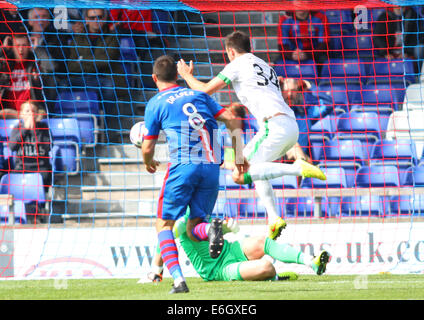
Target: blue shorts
x=193, y=185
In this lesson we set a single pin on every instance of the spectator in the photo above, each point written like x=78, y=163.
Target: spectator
x=399, y=31
x=303, y=35
x=19, y=77
x=139, y=24
x=94, y=64
x=30, y=142
x=10, y=23
x=294, y=91
x=50, y=47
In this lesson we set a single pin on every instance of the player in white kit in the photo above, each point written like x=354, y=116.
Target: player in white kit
x=257, y=87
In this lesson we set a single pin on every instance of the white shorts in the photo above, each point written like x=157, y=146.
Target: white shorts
x=275, y=137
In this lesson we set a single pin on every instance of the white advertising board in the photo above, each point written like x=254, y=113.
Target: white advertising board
x=357, y=248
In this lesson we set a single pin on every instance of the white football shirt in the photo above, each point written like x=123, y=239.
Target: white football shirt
x=256, y=85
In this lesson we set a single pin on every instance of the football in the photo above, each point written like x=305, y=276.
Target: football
x=137, y=133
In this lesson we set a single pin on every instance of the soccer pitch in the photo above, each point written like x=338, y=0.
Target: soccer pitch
x=326, y=287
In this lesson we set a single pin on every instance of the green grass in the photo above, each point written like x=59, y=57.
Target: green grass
x=326, y=287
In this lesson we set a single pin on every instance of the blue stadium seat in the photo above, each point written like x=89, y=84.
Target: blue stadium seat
x=292, y=69
x=18, y=211
x=26, y=187
x=336, y=206
x=343, y=153
x=128, y=49
x=340, y=21
x=336, y=178
x=65, y=129
x=299, y=207
x=338, y=70
x=407, y=205
x=337, y=96
x=414, y=177
x=382, y=70
x=252, y=207
x=83, y=106
x=384, y=97
x=323, y=129
x=65, y=158
x=358, y=45
x=285, y=182
x=401, y=153
x=377, y=176
x=366, y=206
x=363, y=126
x=226, y=208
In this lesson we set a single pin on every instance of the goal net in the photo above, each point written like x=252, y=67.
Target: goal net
x=77, y=201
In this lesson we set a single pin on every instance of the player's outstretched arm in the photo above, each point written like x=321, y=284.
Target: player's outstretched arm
x=186, y=72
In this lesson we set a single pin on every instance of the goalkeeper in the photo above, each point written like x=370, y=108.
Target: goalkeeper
x=240, y=260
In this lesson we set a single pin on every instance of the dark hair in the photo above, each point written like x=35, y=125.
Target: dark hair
x=165, y=69
x=239, y=41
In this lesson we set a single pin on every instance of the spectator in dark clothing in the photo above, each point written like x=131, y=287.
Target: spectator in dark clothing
x=94, y=64
x=398, y=31
x=30, y=143
x=19, y=79
x=50, y=47
x=10, y=23
x=303, y=35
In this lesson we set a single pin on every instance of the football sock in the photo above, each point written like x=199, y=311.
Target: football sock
x=284, y=252
x=169, y=254
x=267, y=197
x=200, y=231
x=270, y=170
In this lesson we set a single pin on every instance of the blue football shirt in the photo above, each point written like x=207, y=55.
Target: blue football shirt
x=188, y=118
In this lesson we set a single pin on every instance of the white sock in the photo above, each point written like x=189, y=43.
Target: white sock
x=271, y=170
x=266, y=194
x=178, y=281
x=157, y=269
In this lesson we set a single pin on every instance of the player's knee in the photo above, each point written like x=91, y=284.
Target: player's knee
x=267, y=269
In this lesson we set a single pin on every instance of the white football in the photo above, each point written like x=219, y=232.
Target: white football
x=137, y=133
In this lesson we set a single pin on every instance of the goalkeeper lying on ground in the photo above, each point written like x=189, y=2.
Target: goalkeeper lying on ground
x=240, y=260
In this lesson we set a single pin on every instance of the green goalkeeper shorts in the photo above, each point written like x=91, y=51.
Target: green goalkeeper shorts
x=230, y=267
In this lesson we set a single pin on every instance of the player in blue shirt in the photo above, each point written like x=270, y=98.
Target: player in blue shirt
x=188, y=118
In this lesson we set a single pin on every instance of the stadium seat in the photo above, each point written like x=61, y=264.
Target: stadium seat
x=358, y=45
x=377, y=176
x=252, y=208
x=337, y=95
x=336, y=206
x=26, y=187
x=226, y=208
x=299, y=207
x=83, y=106
x=407, y=205
x=343, y=153
x=65, y=129
x=291, y=69
x=336, y=178
x=382, y=70
x=65, y=158
x=285, y=182
x=363, y=126
x=400, y=153
x=382, y=97
x=338, y=70
x=414, y=177
x=18, y=212
x=128, y=49
x=340, y=21
x=323, y=129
